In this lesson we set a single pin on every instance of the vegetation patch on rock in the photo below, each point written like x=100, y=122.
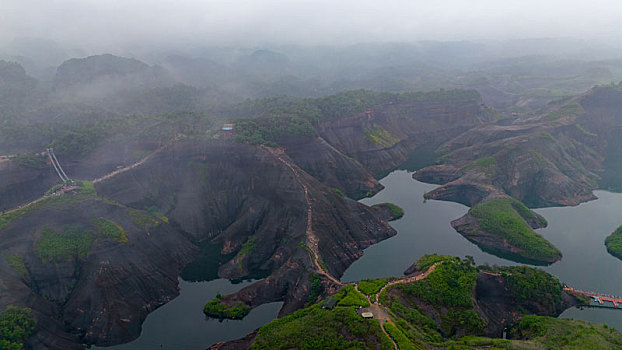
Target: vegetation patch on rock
x=16, y=325
x=389, y=211
x=372, y=286
x=316, y=328
x=53, y=246
x=613, y=242
x=110, y=229
x=348, y=296
x=508, y=219
x=217, y=308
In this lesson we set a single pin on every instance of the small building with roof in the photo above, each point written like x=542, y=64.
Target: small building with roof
x=329, y=303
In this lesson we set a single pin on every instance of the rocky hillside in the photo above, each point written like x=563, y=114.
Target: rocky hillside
x=91, y=269
x=258, y=203
x=281, y=212
x=555, y=158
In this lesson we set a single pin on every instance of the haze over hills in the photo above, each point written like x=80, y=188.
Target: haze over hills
x=207, y=157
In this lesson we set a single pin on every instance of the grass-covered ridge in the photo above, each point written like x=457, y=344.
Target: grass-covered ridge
x=85, y=191
x=449, y=287
x=271, y=120
x=425, y=314
x=553, y=333
x=372, y=286
x=342, y=104
x=348, y=296
x=507, y=219
x=316, y=328
x=613, y=242
x=426, y=261
x=527, y=284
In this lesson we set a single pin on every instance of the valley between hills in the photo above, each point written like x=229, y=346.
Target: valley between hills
x=277, y=200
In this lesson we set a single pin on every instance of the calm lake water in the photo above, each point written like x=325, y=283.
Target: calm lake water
x=425, y=228
x=181, y=324
x=579, y=232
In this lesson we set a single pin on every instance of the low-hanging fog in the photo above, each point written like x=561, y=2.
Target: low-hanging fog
x=120, y=26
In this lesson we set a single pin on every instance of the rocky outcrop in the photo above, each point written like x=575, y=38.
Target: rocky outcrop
x=386, y=135
x=541, y=163
x=98, y=297
x=252, y=202
x=20, y=184
x=501, y=309
x=332, y=168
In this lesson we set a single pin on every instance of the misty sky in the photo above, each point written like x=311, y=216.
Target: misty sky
x=106, y=23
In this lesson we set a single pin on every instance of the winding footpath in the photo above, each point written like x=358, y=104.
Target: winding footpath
x=379, y=312
x=312, y=240
x=137, y=164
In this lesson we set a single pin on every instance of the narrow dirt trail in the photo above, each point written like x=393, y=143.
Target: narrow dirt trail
x=25, y=205
x=312, y=240
x=105, y=177
x=137, y=164
x=379, y=312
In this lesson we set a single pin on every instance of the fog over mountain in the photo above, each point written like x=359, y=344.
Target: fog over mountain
x=160, y=152
x=114, y=25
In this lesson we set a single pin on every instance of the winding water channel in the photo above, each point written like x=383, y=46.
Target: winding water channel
x=181, y=324
x=579, y=232
x=425, y=228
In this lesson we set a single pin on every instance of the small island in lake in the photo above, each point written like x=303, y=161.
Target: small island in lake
x=504, y=227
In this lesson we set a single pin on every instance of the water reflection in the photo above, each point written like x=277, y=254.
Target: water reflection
x=579, y=232
x=181, y=324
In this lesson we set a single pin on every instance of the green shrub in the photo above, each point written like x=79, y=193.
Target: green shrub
x=372, y=286
x=338, y=192
x=534, y=285
x=218, y=309
x=614, y=243
x=248, y=247
x=315, y=328
x=402, y=341
x=554, y=333
x=316, y=289
x=31, y=160
x=426, y=261
x=348, y=296
x=54, y=247
x=110, y=229
x=16, y=325
x=396, y=211
x=547, y=136
x=381, y=136
x=141, y=219
x=86, y=187
x=272, y=130
x=450, y=284
x=16, y=261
